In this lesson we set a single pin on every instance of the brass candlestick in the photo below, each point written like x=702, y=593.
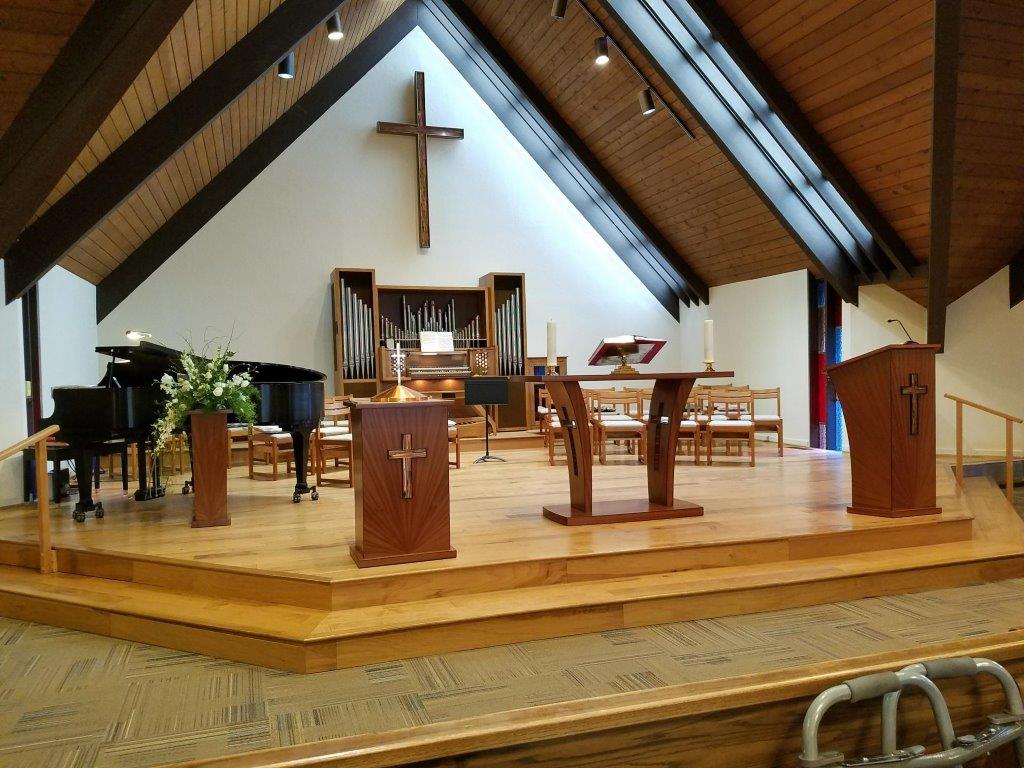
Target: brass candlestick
x=551, y=370
x=624, y=367
x=709, y=366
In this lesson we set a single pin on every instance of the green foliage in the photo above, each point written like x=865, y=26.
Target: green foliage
x=205, y=383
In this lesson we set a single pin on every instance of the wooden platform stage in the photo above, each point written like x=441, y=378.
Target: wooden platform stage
x=278, y=587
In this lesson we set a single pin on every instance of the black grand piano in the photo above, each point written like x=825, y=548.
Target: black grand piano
x=123, y=407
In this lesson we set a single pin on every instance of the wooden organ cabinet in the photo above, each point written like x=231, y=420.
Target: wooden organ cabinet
x=488, y=323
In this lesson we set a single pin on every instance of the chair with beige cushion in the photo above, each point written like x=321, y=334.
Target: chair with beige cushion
x=729, y=417
x=769, y=422
x=332, y=442
x=269, y=445
x=625, y=422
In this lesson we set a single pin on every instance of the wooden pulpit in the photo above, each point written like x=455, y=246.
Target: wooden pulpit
x=888, y=399
x=400, y=475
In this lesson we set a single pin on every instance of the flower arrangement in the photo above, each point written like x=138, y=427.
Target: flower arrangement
x=205, y=383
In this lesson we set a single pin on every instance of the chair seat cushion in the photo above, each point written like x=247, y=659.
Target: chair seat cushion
x=688, y=424
x=266, y=429
x=544, y=409
x=281, y=436
x=332, y=430
x=623, y=424
x=616, y=417
x=452, y=424
x=726, y=424
x=767, y=419
x=346, y=438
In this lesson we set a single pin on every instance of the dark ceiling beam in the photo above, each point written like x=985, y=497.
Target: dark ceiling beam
x=542, y=132
x=662, y=50
x=187, y=221
x=110, y=46
x=944, y=99
x=778, y=98
x=43, y=244
x=1017, y=279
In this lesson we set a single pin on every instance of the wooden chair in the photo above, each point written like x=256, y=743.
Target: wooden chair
x=729, y=417
x=332, y=441
x=269, y=445
x=769, y=422
x=545, y=408
x=453, y=440
x=624, y=423
x=690, y=429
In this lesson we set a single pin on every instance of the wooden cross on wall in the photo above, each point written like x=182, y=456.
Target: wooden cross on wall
x=421, y=131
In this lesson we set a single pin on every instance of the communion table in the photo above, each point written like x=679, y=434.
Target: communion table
x=667, y=402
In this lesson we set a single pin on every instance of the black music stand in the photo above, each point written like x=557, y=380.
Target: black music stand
x=487, y=391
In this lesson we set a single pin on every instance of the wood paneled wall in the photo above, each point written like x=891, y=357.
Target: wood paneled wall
x=32, y=33
x=178, y=62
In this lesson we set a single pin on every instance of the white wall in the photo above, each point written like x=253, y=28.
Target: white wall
x=983, y=358
x=12, y=397
x=67, y=333
x=760, y=333
x=343, y=195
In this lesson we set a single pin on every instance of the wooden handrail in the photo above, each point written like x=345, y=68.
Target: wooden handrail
x=985, y=408
x=46, y=560
x=1009, y=419
x=29, y=441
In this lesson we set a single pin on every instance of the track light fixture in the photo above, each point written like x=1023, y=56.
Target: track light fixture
x=601, y=51
x=647, y=105
x=334, y=30
x=133, y=335
x=286, y=66
x=558, y=8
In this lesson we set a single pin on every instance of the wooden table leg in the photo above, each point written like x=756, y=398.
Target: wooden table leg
x=574, y=418
x=663, y=419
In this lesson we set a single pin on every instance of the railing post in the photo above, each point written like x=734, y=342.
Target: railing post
x=46, y=564
x=959, y=442
x=1009, y=461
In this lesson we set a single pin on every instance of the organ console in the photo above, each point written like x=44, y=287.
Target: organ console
x=123, y=407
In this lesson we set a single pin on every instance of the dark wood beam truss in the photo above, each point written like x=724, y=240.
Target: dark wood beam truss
x=944, y=88
x=109, y=48
x=42, y=245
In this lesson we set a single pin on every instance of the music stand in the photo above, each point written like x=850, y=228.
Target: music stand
x=487, y=391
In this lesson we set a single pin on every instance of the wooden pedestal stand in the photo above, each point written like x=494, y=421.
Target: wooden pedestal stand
x=400, y=474
x=210, y=468
x=667, y=401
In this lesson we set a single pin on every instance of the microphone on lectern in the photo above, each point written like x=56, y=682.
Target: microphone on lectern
x=909, y=339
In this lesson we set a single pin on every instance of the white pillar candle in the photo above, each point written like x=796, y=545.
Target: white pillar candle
x=552, y=353
x=709, y=341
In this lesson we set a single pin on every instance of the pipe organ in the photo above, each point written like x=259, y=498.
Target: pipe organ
x=487, y=323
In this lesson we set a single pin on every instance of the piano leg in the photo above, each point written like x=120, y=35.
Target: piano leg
x=300, y=447
x=124, y=469
x=85, y=465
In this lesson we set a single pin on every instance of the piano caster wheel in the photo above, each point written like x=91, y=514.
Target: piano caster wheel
x=314, y=495
x=79, y=517
x=99, y=512
x=296, y=497
x=186, y=489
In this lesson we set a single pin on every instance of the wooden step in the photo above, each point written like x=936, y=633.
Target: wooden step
x=303, y=639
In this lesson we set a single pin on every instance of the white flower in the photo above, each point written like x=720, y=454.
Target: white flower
x=186, y=386
x=218, y=391
x=237, y=380
x=166, y=379
x=225, y=368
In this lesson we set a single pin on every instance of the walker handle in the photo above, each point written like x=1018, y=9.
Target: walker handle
x=941, y=669
x=873, y=686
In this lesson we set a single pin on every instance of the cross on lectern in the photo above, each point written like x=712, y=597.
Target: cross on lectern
x=914, y=390
x=406, y=454
x=421, y=131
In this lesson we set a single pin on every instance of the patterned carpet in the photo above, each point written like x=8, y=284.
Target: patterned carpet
x=74, y=700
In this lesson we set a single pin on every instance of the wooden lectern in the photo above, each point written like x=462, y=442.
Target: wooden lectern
x=888, y=399
x=400, y=474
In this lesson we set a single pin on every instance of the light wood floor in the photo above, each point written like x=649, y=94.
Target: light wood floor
x=496, y=516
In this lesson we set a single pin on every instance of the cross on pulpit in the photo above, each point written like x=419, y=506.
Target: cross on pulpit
x=406, y=454
x=421, y=131
x=914, y=390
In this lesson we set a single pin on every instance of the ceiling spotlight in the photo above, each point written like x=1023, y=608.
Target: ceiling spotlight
x=137, y=335
x=286, y=66
x=601, y=51
x=647, y=105
x=558, y=8
x=334, y=31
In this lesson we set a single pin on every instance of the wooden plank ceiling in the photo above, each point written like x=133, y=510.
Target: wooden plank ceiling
x=205, y=32
x=860, y=70
x=688, y=188
x=32, y=33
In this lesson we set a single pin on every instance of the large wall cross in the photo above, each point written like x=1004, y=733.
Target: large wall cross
x=421, y=131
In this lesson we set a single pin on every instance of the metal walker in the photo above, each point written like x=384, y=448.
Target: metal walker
x=956, y=750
